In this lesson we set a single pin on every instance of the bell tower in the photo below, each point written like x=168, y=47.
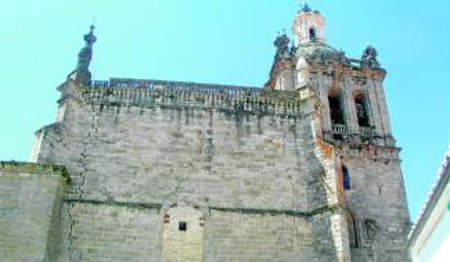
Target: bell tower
x=353, y=120
x=308, y=26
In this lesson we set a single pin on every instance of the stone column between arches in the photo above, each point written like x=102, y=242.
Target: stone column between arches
x=183, y=231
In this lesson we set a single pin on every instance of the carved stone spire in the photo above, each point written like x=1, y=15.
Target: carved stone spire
x=83, y=75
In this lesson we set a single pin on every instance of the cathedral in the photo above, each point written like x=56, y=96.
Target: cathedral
x=305, y=168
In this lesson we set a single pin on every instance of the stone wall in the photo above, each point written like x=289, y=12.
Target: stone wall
x=377, y=198
x=31, y=197
x=183, y=233
x=231, y=163
x=221, y=153
x=154, y=155
x=234, y=236
x=109, y=231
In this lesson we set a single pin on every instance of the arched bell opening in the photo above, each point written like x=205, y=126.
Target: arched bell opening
x=336, y=107
x=312, y=34
x=362, y=110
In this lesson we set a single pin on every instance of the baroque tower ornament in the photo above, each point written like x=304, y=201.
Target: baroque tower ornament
x=83, y=75
x=369, y=58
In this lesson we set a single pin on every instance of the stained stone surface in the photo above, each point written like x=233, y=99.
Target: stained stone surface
x=250, y=173
x=30, y=205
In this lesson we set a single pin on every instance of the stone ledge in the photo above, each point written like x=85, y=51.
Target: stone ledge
x=318, y=211
x=137, y=205
x=134, y=205
x=41, y=169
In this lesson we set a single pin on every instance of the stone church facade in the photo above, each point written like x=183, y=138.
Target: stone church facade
x=304, y=169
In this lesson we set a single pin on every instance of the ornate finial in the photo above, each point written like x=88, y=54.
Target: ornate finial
x=305, y=6
x=369, y=57
x=90, y=38
x=83, y=75
x=282, y=45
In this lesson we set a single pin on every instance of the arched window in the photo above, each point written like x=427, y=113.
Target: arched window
x=336, y=112
x=346, y=178
x=361, y=110
x=312, y=34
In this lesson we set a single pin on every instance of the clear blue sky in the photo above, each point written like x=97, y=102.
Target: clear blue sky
x=229, y=42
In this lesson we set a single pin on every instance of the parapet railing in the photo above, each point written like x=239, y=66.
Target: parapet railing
x=150, y=93
x=366, y=131
x=346, y=130
x=340, y=129
x=192, y=87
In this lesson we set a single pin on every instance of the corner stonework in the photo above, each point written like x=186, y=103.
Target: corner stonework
x=31, y=199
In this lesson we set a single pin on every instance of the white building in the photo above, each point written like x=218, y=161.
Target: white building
x=430, y=239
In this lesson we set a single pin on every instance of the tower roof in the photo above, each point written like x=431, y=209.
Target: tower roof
x=306, y=8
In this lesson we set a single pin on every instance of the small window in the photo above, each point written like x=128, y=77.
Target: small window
x=182, y=226
x=346, y=178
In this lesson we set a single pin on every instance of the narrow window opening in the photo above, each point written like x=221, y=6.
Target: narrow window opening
x=312, y=34
x=336, y=112
x=361, y=111
x=182, y=226
x=353, y=231
x=346, y=178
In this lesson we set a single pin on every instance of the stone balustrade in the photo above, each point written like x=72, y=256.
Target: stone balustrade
x=152, y=93
x=366, y=131
x=340, y=129
x=346, y=130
